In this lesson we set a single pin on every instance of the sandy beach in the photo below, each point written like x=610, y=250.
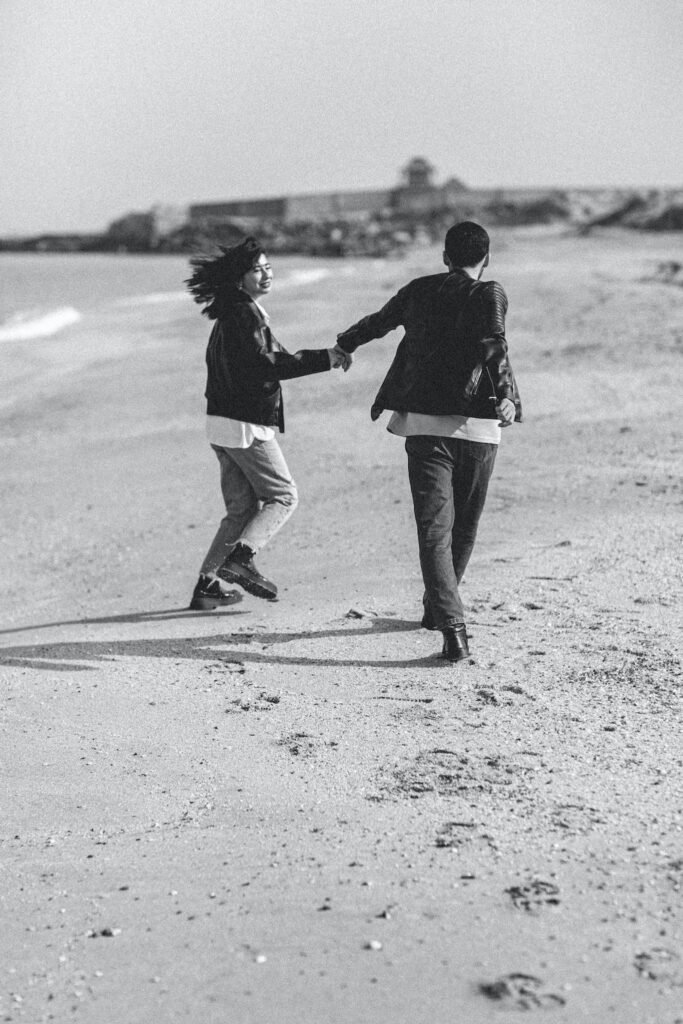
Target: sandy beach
x=296, y=812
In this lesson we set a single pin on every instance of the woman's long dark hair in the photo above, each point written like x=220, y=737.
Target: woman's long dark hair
x=214, y=282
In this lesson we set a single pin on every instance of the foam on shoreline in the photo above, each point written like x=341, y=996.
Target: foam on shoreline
x=300, y=278
x=154, y=299
x=29, y=326
x=291, y=279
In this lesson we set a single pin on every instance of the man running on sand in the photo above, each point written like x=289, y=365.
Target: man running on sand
x=451, y=390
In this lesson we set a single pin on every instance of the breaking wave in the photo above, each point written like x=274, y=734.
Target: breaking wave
x=155, y=299
x=28, y=326
x=302, y=277
x=289, y=279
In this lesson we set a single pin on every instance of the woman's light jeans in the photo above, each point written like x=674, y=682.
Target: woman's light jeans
x=259, y=494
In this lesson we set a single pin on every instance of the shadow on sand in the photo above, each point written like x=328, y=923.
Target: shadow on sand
x=160, y=615
x=227, y=648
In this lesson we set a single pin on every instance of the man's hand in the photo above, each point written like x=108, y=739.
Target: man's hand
x=506, y=412
x=338, y=357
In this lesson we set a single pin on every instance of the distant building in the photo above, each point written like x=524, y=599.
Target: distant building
x=417, y=194
x=207, y=215
x=142, y=231
x=168, y=218
x=291, y=209
x=418, y=174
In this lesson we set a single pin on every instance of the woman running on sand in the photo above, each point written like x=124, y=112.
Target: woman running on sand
x=245, y=365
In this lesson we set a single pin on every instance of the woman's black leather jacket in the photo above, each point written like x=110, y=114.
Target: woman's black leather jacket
x=246, y=363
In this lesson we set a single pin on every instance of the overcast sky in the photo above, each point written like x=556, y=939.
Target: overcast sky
x=111, y=107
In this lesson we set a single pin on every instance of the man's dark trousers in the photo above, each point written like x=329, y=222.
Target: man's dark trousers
x=449, y=478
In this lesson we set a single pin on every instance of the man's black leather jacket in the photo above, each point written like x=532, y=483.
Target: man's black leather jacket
x=453, y=358
x=246, y=363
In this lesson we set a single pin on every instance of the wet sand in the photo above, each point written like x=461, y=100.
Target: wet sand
x=296, y=812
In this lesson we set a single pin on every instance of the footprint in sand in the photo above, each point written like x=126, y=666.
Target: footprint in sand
x=658, y=964
x=520, y=992
x=534, y=895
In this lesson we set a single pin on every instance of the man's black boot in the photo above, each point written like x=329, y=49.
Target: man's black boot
x=239, y=568
x=455, y=643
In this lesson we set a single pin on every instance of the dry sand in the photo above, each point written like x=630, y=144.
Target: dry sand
x=294, y=812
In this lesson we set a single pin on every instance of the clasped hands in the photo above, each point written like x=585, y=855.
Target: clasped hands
x=338, y=357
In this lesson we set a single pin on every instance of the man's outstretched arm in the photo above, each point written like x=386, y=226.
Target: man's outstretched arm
x=376, y=325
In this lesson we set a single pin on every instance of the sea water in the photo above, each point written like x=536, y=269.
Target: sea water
x=43, y=295
x=62, y=316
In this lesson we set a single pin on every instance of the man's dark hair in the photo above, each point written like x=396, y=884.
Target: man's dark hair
x=214, y=279
x=466, y=244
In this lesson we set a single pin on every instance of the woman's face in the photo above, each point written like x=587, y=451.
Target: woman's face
x=257, y=281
